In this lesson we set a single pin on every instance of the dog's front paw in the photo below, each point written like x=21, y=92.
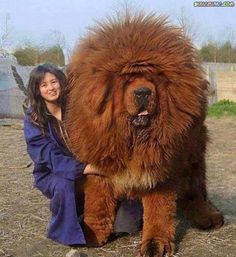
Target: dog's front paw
x=156, y=247
x=96, y=237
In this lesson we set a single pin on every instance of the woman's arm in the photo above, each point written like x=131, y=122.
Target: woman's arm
x=44, y=152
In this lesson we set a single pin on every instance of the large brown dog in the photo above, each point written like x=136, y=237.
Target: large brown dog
x=136, y=110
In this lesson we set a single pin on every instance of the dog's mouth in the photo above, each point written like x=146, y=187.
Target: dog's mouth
x=141, y=119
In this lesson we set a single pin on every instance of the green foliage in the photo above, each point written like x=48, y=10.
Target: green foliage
x=28, y=55
x=208, y=52
x=33, y=55
x=54, y=55
x=222, y=108
x=225, y=52
x=211, y=52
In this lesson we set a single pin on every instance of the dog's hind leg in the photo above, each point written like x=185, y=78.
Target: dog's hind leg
x=194, y=201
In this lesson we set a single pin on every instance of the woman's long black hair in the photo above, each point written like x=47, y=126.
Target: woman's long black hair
x=39, y=113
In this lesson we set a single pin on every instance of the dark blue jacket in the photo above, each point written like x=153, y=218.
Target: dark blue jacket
x=54, y=172
x=48, y=154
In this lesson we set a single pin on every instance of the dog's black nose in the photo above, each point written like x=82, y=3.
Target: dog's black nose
x=142, y=92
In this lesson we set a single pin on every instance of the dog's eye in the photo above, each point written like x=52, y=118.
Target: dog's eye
x=161, y=78
x=130, y=80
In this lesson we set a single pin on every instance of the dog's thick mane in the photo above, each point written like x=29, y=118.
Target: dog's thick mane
x=106, y=59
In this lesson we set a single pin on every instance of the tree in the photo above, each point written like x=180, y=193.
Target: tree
x=54, y=55
x=54, y=48
x=68, y=53
x=209, y=52
x=5, y=34
x=187, y=25
x=233, y=58
x=27, y=55
x=58, y=38
x=225, y=52
x=31, y=55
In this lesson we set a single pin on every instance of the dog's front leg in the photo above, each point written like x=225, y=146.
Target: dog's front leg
x=99, y=210
x=159, y=222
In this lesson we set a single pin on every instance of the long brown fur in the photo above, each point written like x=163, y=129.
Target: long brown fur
x=161, y=163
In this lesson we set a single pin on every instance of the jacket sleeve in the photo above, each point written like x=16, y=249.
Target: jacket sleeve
x=43, y=151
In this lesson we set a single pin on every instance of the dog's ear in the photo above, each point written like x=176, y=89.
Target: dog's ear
x=19, y=80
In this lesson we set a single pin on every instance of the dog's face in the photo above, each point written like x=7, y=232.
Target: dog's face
x=132, y=81
x=140, y=101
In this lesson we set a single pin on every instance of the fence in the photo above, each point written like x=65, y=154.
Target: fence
x=222, y=78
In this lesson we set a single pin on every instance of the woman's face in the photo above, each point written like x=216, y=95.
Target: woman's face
x=50, y=88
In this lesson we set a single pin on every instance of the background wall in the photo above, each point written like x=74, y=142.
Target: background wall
x=222, y=78
x=11, y=97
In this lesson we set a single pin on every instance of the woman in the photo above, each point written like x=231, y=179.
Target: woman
x=55, y=169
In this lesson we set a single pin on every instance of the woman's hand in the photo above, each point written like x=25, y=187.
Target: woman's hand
x=90, y=169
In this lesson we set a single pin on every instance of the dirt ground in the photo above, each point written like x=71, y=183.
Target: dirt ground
x=24, y=211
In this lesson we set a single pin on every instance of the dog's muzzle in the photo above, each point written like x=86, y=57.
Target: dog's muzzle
x=142, y=95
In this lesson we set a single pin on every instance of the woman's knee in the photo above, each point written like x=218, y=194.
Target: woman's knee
x=64, y=186
x=63, y=199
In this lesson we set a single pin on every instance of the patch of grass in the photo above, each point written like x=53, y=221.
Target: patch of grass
x=222, y=108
